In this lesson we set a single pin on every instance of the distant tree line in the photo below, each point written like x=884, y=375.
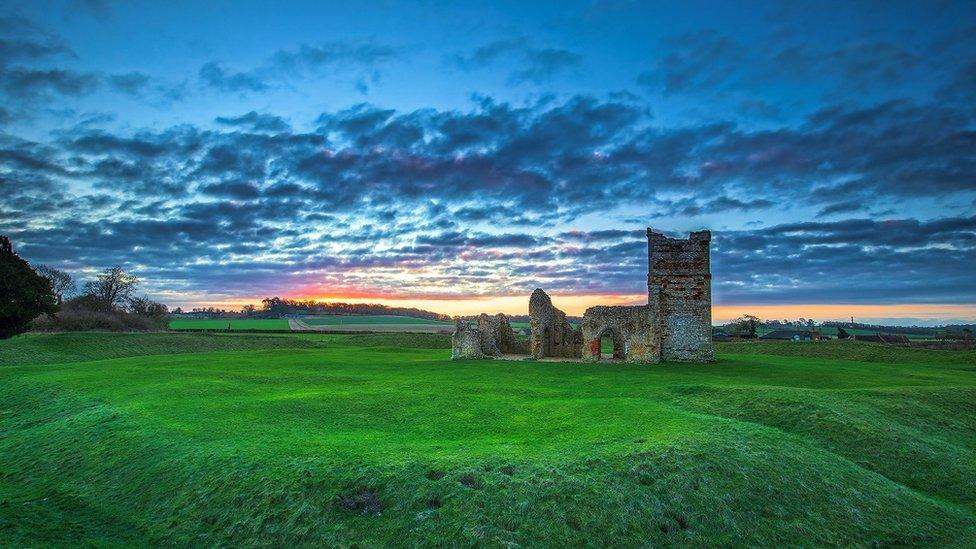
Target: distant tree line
x=275, y=307
x=749, y=326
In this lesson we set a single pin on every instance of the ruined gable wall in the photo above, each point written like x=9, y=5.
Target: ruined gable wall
x=679, y=285
x=552, y=335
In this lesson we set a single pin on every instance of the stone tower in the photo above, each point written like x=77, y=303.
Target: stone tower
x=679, y=291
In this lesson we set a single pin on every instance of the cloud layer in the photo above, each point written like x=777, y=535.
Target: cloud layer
x=371, y=194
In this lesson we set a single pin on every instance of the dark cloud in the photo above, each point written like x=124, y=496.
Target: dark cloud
x=22, y=83
x=331, y=54
x=304, y=61
x=701, y=59
x=537, y=65
x=12, y=49
x=215, y=76
x=236, y=190
x=711, y=63
x=132, y=83
x=26, y=85
x=841, y=207
x=692, y=207
x=255, y=122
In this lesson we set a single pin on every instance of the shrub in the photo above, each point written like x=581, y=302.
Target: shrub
x=85, y=313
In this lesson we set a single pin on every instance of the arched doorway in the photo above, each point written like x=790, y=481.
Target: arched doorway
x=611, y=345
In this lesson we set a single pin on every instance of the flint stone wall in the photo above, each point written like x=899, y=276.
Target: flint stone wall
x=498, y=338
x=466, y=341
x=679, y=286
x=552, y=335
x=491, y=336
x=632, y=329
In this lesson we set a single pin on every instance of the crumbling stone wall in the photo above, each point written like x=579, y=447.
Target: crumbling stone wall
x=635, y=337
x=466, y=341
x=552, y=335
x=498, y=338
x=491, y=336
x=679, y=287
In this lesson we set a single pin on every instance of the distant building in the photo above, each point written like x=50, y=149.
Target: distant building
x=793, y=335
x=883, y=338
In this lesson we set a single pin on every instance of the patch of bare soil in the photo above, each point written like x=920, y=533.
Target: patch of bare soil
x=470, y=481
x=363, y=500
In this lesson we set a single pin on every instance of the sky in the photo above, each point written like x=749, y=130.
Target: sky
x=455, y=156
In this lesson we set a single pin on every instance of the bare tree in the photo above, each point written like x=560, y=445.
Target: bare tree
x=143, y=306
x=113, y=288
x=62, y=284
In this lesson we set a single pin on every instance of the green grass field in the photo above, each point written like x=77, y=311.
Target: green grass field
x=235, y=324
x=380, y=439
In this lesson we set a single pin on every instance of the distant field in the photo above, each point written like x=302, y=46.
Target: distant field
x=380, y=440
x=235, y=324
x=369, y=319
x=369, y=323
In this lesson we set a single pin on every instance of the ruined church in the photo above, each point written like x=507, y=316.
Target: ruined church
x=675, y=325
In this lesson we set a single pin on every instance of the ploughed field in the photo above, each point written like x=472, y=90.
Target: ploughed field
x=380, y=439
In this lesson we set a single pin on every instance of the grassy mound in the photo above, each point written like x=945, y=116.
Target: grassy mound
x=358, y=441
x=847, y=350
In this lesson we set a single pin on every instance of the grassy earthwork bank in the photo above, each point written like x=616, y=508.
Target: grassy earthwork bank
x=302, y=439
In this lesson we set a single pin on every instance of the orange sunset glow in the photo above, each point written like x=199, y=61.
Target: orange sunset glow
x=575, y=305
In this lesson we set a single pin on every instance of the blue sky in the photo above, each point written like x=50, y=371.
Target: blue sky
x=458, y=155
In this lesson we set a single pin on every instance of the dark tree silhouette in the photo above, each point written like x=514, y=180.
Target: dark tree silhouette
x=24, y=294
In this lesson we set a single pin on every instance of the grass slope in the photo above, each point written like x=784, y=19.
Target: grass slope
x=84, y=346
x=235, y=324
x=374, y=439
